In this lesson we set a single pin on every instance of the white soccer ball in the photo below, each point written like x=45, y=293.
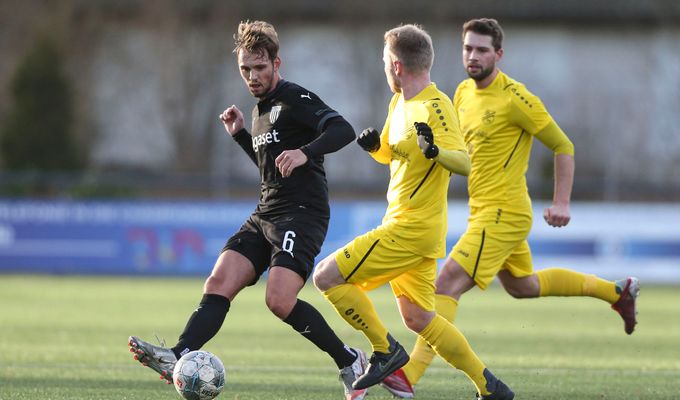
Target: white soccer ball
x=199, y=375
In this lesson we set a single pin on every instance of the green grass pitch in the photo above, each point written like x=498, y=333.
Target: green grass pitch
x=65, y=338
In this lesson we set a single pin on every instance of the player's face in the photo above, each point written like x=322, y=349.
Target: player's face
x=258, y=72
x=479, y=56
x=393, y=80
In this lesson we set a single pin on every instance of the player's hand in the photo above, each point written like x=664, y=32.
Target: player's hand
x=288, y=160
x=426, y=140
x=369, y=140
x=232, y=118
x=557, y=215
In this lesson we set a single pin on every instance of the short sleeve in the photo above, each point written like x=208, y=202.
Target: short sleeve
x=527, y=110
x=443, y=121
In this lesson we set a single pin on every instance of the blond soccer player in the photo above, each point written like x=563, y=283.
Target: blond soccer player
x=499, y=118
x=422, y=144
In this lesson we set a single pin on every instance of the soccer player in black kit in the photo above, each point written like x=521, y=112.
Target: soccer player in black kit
x=292, y=130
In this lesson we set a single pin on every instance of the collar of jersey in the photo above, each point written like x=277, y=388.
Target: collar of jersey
x=497, y=81
x=426, y=93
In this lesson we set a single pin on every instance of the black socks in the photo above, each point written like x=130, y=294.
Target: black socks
x=307, y=321
x=207, y=320
x=203, y=324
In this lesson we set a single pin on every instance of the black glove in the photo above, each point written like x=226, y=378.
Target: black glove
x=426, y=140
x=369, y=140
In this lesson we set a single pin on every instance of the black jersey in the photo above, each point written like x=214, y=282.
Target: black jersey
x=287, y=119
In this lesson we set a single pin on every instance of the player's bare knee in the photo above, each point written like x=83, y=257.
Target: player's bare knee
x=519, y=288
x=319, y=277
x=521, y=292
x=417, y=321
x=280, y=304
x=514, y=292
x=213, y=284
x=326, y=275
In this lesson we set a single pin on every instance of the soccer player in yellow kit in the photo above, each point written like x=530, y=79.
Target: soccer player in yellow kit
x=422, y=144
x=499, y=118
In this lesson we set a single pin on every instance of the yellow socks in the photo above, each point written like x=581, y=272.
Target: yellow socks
x=357, y=309
x=422, y=354
x=564, y=282
x=452, y=346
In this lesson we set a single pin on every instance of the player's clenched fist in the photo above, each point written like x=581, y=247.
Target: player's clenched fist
x=369, y=140
x=426, y=140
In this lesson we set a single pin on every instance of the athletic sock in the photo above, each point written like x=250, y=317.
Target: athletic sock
x=423, y=353
x=307, y=321
x=203, y=324
x=357, y=309
x=564, y=282
x=452, y=346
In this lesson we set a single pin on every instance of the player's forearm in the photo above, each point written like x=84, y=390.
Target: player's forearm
x=564, y=178
x=456, y=161
x=245, y=140
x=337, y=134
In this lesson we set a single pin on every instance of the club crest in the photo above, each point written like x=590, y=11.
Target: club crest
x=489, y=116
x=274, y=114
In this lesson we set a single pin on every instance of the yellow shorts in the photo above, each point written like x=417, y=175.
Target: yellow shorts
x=373, y=259
x=495, y=239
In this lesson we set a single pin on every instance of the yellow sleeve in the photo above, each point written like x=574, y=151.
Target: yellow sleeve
x=384, y=154
x=443, y=121
x=456, y=96
x=527, y=110
x=556, y=140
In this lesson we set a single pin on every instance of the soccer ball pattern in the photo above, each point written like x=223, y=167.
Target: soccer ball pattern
x=198, y=375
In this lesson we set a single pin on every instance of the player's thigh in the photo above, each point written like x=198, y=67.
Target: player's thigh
x=250, y=243
x=295, y=240
x=490, y=239
x=373, y=259
x=417, y=283
x=231, y=273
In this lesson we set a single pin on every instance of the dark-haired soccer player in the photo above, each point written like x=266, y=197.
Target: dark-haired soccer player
x=292, y=130
x=499, y=118
x=423, y=145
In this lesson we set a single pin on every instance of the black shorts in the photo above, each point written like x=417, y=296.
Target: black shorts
x=290, y=240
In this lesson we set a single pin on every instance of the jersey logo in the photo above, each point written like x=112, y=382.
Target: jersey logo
x=488, y=117
x=274, y=114
x=302, y=96
x=265, y=138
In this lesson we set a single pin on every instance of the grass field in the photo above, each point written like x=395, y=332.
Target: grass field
x=65, y=338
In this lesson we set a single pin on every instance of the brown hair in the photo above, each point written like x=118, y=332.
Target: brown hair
x=412, y=46
x=257, y=37
x=486, y=27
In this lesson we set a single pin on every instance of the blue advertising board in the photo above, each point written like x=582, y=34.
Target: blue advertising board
x=185, y=238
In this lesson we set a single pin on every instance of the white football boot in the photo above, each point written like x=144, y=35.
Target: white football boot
x=159, y=359
x=350, y=373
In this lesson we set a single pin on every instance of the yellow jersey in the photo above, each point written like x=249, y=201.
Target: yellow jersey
x=416, y=215
x=498, y=124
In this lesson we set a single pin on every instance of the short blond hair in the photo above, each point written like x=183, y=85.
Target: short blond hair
x=412, y=46
x=257, y=37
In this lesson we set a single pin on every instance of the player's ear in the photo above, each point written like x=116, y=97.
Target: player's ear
x=499, y=54
x=398, y=67
x=277, y=63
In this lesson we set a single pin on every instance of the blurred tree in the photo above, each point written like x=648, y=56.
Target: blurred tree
x=36, y=134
